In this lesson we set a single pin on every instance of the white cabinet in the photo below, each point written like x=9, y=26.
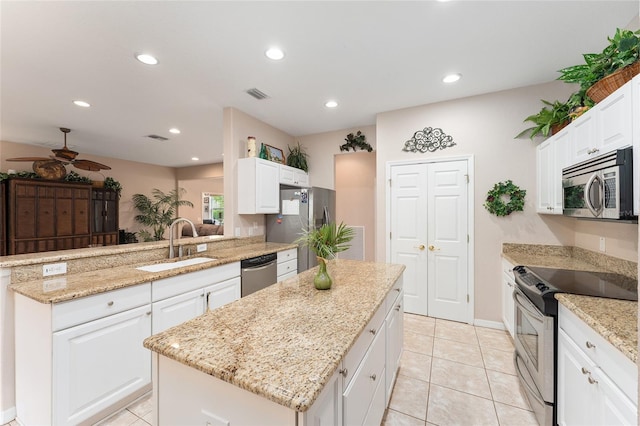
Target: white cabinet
x=508, y=307
x=551, y=157
x=604, y=128
x=394, y=323
x=287, y=264
x=258, y=186
x=293, y=176
x=596, y=382
x=77, y=361
x=327, y=410
x=186, y=296
x=635, y=109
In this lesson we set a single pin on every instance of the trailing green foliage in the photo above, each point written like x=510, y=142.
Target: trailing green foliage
x=297, y=158
x=550, y=115
x=75, y=177
x=359, y=140
x=159, y=211
x=111, y=183
x=327, y=240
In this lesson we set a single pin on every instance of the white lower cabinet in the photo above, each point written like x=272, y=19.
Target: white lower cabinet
x=222, y=293
x=327, y=410
x=80, y=360
x=177, y=309
x=508, y=306
x=287, y=264
x=596, y=383
x=395, y=326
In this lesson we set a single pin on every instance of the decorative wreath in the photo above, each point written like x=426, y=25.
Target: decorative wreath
x=495, y=203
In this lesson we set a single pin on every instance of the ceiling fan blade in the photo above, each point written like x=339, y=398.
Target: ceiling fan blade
x=65, y=153
x=89, y=165
x=27, y=159
x=60, y=159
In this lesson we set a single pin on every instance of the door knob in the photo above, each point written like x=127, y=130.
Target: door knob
x=433, y=248
x=420, y=247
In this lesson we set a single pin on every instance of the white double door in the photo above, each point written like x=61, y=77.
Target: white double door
x=429, y=233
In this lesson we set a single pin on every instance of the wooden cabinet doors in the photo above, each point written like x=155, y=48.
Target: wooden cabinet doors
x=104, y=221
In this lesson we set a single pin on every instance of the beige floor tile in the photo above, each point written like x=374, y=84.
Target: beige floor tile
x=450, y=407
x=505, y=388
x=410, y=397
x=395, y=418
x=142, y=406
x=419, y=324
x=508, y=416
x=148, y=418
x=457, y=351
x=460, y=377
x=498, y=360
x=495, y=339
x=415, y=365
x=418, y=343
x=122, y=418
x=457, y=331
x=140, y=422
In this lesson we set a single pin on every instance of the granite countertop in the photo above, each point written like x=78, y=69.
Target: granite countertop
x=60, y=288
x=283, y=342
x=615, y=320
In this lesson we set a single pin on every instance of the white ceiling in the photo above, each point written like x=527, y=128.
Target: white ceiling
x=369, y=56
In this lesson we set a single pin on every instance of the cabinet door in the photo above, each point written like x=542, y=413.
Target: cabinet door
x=222, y=293
x=301, y=178
x=176, y=310
x=98, y=363
x=327, y=409
x=3, y=218
x=583, y=137
x=635, y=111
x=561, y=149
x=508, y=307
x=81, y=210
x=111, y=211
x=395, y=326
x=615, y=407
x=614, y=121
x=544, y=169
x=578, y=399
x=267, y=187
x=287, y=175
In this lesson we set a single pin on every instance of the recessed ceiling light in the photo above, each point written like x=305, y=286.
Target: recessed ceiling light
x=195, y=159
x=147, y=59
x=451, y=78
x=82, y=104
x=274, y=53
x=174, y=131
x=331, y=104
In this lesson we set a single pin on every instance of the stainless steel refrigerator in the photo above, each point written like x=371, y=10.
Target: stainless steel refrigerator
x=301, y=208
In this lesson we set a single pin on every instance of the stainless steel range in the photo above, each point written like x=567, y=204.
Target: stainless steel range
x=536, y=325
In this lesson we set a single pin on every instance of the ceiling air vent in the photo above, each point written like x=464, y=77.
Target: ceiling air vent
x=157, y=137
x=257, y=94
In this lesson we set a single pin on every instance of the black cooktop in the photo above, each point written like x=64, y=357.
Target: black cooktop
x=540, y=284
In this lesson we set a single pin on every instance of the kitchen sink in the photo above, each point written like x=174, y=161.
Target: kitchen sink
x=157, y=267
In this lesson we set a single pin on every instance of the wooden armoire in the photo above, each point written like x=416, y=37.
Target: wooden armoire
x=3, y=219
x=104, y=216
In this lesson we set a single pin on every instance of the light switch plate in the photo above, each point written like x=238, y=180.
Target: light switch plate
x=54, y=269
x=602, y=244
x=201, y=247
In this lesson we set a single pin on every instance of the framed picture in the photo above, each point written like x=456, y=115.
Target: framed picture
x=274, y=154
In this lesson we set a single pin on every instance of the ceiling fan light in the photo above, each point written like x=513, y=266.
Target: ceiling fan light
x=147, y=59
x=82, y=104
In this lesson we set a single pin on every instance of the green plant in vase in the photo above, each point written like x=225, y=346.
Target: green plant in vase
x=326, y=242
x=297, y=158
x=552, y=114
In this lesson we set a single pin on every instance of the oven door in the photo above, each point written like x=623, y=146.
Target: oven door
x=583, y=195
x=534, y=342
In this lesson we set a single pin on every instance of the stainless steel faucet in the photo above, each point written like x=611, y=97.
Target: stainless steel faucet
x=180, y=219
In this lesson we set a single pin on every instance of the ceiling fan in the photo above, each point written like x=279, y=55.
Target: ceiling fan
x=62, y=156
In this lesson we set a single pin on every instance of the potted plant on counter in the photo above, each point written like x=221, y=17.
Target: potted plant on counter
x=326, y=242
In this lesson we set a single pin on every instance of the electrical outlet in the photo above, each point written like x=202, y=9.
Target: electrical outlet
x=54, y=269
x=201, y=247
x=602, y=244
x=237, y=234
x=255, y=226
x=54, y=284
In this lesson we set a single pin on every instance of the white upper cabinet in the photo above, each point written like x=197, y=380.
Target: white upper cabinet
x=258, y=186
x=293, y=176
x=635, y=122
x=551, y=157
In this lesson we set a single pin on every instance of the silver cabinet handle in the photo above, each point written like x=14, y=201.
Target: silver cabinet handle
x=590, y=345
x=343, y=372
x=397, y=289
x=148, y=312
x=585, y=371
x=592, y=380
x=398, y=308
x=372, y=331
x=110, y=303
x=373, y=377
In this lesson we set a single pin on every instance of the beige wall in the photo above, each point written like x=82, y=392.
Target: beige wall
x=482, y=126
x=621, y=239
x=322, y=147
x=355, y=184
x=237, y=127
x=196, y=180
x=135, y=177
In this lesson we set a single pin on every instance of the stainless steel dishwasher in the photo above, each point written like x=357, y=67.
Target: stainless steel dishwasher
x=258, y=273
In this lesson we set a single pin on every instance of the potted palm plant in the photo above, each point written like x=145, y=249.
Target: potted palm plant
x=158, y=211
x=326, y=242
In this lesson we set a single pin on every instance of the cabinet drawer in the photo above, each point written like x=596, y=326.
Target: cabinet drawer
x=183, y=283
x=361, y=390
x=287, y=276
x=359, y=348
x=286, y=255
x=288, y=266
x=603, y=354
x=74, y=312
x=393, y=294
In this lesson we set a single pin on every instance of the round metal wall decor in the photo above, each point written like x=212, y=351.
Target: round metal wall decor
x=428, y=139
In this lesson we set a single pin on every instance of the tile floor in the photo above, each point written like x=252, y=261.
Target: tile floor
x=450, y=374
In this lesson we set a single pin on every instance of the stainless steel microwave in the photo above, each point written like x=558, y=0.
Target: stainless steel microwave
x=601, y=187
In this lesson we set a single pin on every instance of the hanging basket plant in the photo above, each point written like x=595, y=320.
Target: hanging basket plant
x=505, y=198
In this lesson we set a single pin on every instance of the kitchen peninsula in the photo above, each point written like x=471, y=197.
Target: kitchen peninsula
x=289, y=354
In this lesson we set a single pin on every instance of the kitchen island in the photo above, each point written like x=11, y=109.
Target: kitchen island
x=288, y=354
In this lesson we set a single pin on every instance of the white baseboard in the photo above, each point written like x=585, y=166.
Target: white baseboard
x=7, y=415
x=489, y=324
